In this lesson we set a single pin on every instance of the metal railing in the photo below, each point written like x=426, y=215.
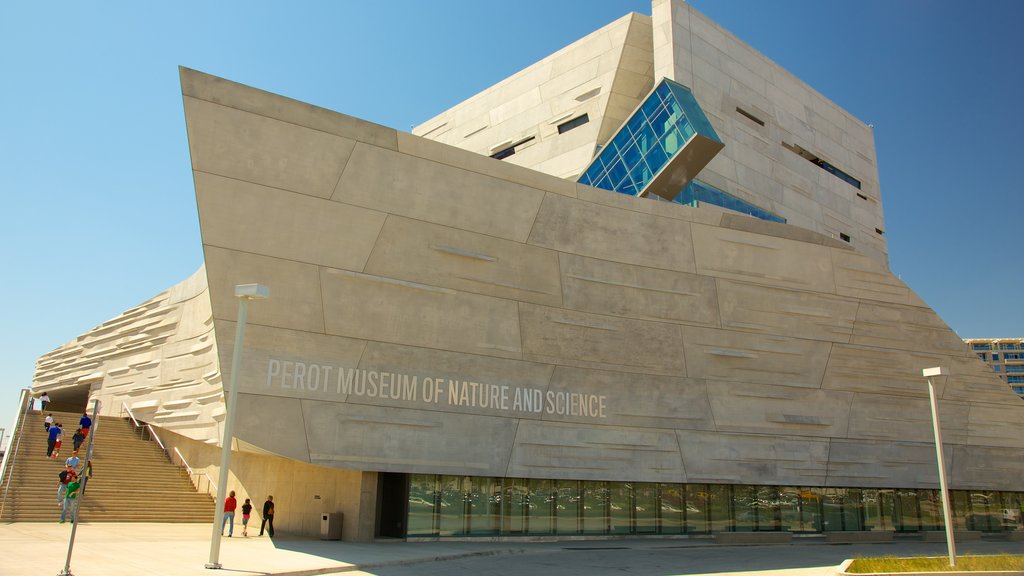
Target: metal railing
x=146, y=432
x=200, y=480
x=18, y=429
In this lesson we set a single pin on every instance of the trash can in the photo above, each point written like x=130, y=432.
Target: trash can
x=330, y=526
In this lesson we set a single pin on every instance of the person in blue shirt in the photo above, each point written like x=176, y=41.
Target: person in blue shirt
x=51, y=439
x=85, y=423
x=73, y=461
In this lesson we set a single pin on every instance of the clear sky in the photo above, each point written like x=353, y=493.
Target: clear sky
x=99, y=209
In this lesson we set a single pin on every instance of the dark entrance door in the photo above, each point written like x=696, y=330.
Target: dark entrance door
x=393, y=494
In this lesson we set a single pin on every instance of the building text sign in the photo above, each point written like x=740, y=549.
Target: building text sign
x=338, y=380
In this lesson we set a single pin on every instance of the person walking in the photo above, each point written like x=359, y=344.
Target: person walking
x=268, y=517
x=246, y=511
x=86, y=475
x=73, y=461
x=70, y=501
x=57, y=440
x=66, y=475
x=51, y=439
x=43, y=401
x=85, y=423
x=77, y=439
x=47, y=422
x=229, y=514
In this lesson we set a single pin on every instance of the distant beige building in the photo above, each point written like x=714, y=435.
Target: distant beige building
x=1005, y=356
x=468, y=336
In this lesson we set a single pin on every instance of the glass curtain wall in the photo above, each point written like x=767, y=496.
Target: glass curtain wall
x=466, y=506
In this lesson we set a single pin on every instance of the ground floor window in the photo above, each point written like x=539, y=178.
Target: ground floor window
x=445, y=505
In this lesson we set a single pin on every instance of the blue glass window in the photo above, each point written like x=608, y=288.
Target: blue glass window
x=697, y=192
x=1015, y=379
x=667, y=119
x=981, y=346
x=1015, y=369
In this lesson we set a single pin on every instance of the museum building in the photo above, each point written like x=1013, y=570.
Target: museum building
x=639, y=287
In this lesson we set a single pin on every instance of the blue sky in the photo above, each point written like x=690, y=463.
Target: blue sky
x=99, y=205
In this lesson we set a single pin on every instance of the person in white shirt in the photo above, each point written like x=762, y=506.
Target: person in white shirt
x=47, y=422
x=43, y=401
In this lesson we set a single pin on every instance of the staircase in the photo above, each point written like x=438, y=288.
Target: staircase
x=133, y=481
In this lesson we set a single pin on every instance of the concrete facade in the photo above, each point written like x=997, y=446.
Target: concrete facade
x=436, y=311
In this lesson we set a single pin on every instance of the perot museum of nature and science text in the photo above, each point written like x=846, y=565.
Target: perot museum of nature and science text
x=639, y=287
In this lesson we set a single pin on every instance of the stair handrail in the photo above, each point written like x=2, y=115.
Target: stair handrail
x=193, y=476
x=144, y=426
x=18, y=429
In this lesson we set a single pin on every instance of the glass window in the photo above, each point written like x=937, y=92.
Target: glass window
x=877, y=509
x=720, y=508
x=452, y=521
x=574, y=123
x=645, y=509
x=697, y=508
x=908, y=514
x=484, y=505
x=672, y=506
x=621, y=508
x=423, y=503
x=542, y=500
x=595, y=507
x=515, y=503
x=995, y=356
x=567, y=506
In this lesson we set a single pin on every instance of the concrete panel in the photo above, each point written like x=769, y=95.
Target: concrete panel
x=598, y=341
x=272, y=357
x=273, y=424
x=742, y=357
x=387, y=310
x=994, y=424
x=984, y=468
x=400, y=184
x=263, y=150
x=445, y=367
x=861, y=277
x=880, y=371
x=906, y=327
x=273, y=222
x=971, y=380
x=410, y=441
x=578, y=452
x=753, y=458
x=220, y=91
x=613, y=234
x=881, y=417
x=762, y=259
x=753, y=308
x=607, y=287
x=459, y=158
x=648, y=402
x=883, y=464
x=441, y=256
x=762, y=409
x=294, y=289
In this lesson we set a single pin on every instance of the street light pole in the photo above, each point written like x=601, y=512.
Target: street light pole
x=244, y=293
x=929, y=373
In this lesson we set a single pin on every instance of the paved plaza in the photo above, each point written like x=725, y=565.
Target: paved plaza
x=113, y=549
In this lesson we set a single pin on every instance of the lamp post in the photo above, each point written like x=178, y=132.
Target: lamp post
x=930, y=373
x=244, y=293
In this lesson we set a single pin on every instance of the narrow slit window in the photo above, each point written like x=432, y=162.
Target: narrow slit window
x=827, y=167
x=750, y=116
x=844, y=237
x=861, y=196
x=574, y=123
x=880, y=231
x=506, y=152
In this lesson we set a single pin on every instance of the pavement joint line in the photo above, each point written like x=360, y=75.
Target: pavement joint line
x=402, y=562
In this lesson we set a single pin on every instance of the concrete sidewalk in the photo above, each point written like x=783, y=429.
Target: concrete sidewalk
x=115, y=549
